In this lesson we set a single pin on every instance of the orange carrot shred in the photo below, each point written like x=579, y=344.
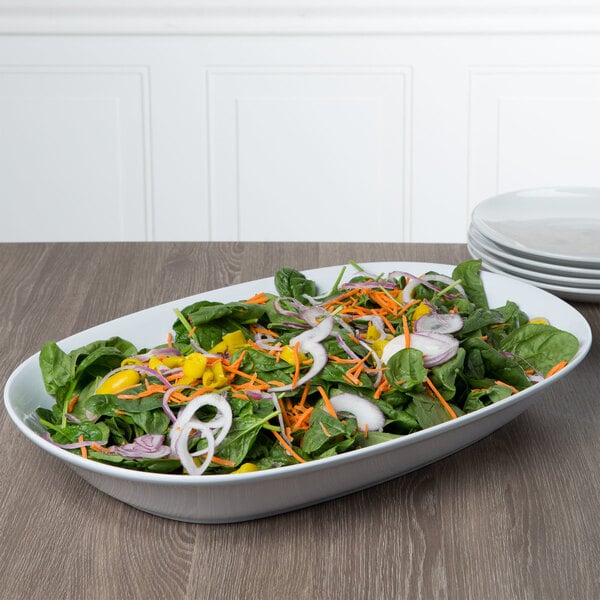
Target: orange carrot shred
x=556, y=368
x=72, y=403
x=440, y=398
x=406, y=331
x=327, y=402
x=287, y=447
x=512, y=388
x=83, y=448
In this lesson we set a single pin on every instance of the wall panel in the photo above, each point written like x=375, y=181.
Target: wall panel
x=73, y=154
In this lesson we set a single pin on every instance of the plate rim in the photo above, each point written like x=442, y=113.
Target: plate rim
x=517, y=247
x=534, y=276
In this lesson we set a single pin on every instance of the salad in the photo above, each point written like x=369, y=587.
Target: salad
x=286, y=378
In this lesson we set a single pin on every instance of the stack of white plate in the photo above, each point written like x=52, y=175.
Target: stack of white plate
x=547, y=237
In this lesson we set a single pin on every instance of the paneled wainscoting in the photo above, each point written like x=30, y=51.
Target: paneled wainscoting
x=194, y=121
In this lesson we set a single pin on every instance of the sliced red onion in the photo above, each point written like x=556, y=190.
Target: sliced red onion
x=445, y=279
x=277, y=305
x=280, y=417
x=201, y=350
x=256, y=394
x=378, y=362
x=167, y=395
x=342, y=344
x=167, y=351
x=145, y=446
x=369, y=284
x=439, y=323
x=313, y=314
x=368, y=415
x=220, y=422
x=309, y=343
x=426, y=280
x=180, y=446
x=437, y=348
x=73, y=445
x=412, y=283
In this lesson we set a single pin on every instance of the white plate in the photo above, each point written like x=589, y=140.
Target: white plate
x=531, y=274
x=230, y=498
x=565, y=292
x=498, y=252
x=560, y=225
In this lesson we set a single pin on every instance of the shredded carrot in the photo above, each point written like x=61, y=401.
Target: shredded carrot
x=556, y=368
x=170, y=339
x=253, y=378
x=388, y=324
x=338, y=299
x=152, y=389
x=98, y=448
x=263, y=330
x=198, y=392
x=384, y=386
x=284, y=414
x=300, y=422
x=193, y=331
x=359, y=367
x=342, y=361
x=327, y=402
x=510, y=387
x=83, y=448
x=260, y=298
x=119, y=412
x=287, y=447
x=440, y=398
x=223, y=462
x=352, y=378
x=72, y=403
x=304, y=394
x=409, y=304
x=406, y=331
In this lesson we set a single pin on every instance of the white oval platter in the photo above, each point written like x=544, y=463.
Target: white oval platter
x=231, y=498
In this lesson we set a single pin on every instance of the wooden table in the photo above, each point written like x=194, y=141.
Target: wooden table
x=514, y=516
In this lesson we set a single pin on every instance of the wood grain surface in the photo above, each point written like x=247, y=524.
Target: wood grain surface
x=514, y=516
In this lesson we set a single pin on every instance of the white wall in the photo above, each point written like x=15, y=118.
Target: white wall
x=342, y=121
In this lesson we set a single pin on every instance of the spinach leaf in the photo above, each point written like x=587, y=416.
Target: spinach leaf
x=406, y=371
x=444, y=376
x=375, y=437
x=468, y=273
x=327, y=434
x=242, y=434
x=152, y=465
x=292, y=283
x=56, y=367
x=483, y=397
x=542, y=346
x=96, y=432
x=428, y=411
x=483, y=361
